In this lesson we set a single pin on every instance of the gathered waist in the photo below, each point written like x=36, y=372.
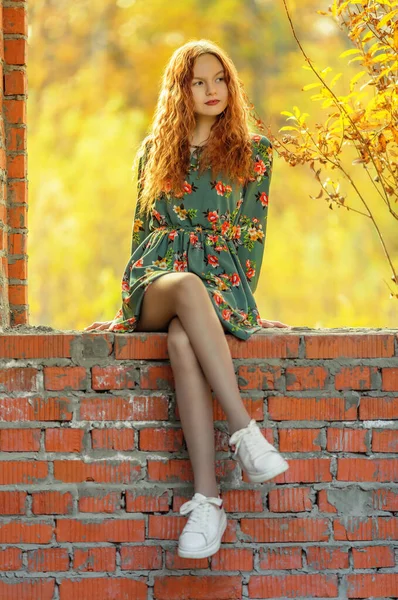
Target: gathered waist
x=224, y=230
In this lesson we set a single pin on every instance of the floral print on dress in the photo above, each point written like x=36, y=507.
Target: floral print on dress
x=215, y=229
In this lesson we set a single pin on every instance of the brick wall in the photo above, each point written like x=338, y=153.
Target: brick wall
x=94, y=468
x=13, y=169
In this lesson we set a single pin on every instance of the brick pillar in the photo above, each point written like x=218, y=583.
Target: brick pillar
x=13, y=171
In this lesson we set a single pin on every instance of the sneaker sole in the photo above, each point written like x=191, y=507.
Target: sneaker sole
x=211, y=548
x=265, y=475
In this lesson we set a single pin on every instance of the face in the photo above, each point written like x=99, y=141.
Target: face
x=208, y=83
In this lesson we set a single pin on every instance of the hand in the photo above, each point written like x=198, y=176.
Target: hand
x=265, y=323
x=102, y=325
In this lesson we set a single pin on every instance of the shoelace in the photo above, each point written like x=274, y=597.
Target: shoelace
x=203, y=506
x=251, y=440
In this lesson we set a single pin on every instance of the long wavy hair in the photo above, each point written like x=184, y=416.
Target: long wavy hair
x=166, y=150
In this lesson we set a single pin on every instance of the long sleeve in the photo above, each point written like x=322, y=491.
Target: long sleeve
x=141, y=223
x=254, y=211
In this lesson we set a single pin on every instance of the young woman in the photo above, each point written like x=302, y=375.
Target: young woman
x=197, y=249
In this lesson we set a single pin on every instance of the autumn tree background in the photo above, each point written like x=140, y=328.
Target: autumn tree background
x=93, y=77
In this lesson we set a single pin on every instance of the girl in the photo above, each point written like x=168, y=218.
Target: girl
x=197, y=248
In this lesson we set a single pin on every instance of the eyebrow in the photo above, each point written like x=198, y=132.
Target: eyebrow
x=222, y=71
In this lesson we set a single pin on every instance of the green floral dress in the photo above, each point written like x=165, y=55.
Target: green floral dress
x=216, y=230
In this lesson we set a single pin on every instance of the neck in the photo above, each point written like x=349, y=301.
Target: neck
x=202, y=130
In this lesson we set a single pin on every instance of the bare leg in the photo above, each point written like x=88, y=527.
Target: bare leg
x=195, y=406
x=184, y=295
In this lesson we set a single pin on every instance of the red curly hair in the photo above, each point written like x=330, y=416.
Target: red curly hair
x=167, y=149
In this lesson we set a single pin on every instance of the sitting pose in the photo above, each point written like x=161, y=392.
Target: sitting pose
x=197, y=248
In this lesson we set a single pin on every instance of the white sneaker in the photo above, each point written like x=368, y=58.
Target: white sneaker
x=260, y=459
x=205, y=527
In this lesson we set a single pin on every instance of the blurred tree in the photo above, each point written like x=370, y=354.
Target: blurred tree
x=94, y=73
x=369, y=124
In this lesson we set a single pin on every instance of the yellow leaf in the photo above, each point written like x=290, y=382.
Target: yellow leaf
x=288, y=128
x=335, y=78
x=386, y=18
x=348, y=52
x=310, y=86
x=285, y=112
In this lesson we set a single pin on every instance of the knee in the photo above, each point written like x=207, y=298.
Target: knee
x=189, y=288
x=177, y=338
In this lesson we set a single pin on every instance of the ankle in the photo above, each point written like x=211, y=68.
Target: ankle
x=236, y=425
x=213, y=492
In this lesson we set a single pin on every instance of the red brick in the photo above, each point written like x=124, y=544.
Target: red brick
x=346, y=440
x=306, y=378
x=106, y=530
x=16, y=167
x=64, y=440
x=299, y=440
x=117, y=408
x=147, y=346
x=181, y=469
x=286, y=529
x=161, y=439
x=87, y=560
x=366, y=585
x=254, y=406
x=15, y=20
x=17, y=191
x=373, y=557
x=290, y=499
x=23, y=471
x=291, y=586
x=42, y=560
x=221, y=587
x=366, y=528
x=306, y=469
x=258, y=377
x=378, y=408
x=310, y=409
x=150, y=500
x=10, y=560
x=35, y=408
x=52, y=503
x=16, y=379
x=367, y=469
x=243, y=501
x=385, y=499
x=15, y=111
x=321, y=558
x=15, y=82
x=112, y=439
x=65, y=378
x=349, y=346
x=157, y=377
x=102, y=587
x=99, y=501
x=28, y=589
x=323, y=502
x=280, y=558
x=385, y=441
x=137, y=558
x=20, y=440
x=356, y=378
x=25, y=532
x=174, y=562
x=233, y=559
x=389, y=379
x=77, y=471
x=113, y=377
x=12, y=503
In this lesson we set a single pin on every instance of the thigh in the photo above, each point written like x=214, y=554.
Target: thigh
x=160, y=302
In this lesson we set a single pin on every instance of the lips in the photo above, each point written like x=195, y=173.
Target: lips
x=212, y=102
